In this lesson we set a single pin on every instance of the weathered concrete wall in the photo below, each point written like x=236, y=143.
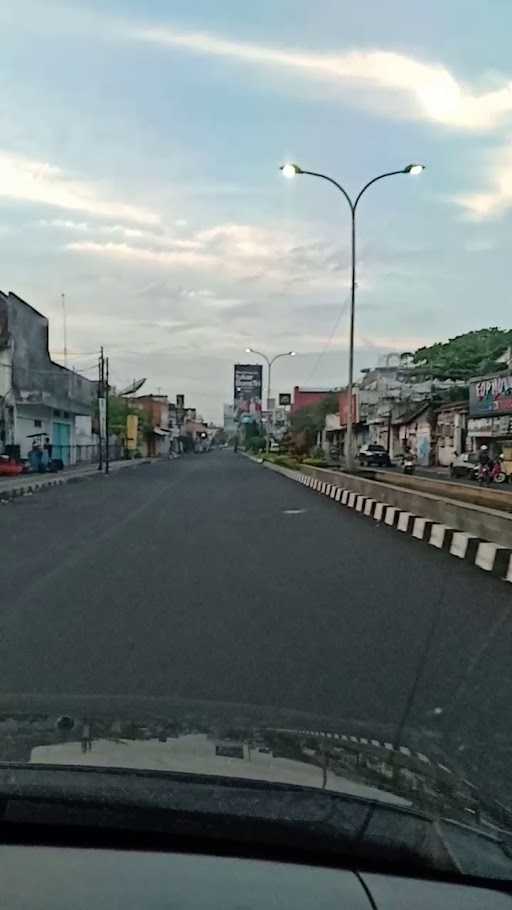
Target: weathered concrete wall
x=475, y=495
x=36, y=379
x=485, y=523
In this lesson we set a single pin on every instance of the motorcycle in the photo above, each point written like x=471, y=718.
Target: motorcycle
x=498, y=474
x=409, y=465
x=485, y=475
x=491, y=473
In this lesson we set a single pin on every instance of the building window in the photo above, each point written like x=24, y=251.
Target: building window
x=65, y=414
x=56, y=413
x=38, y=423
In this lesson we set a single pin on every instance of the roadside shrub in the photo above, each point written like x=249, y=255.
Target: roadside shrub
x=284, y=461
x=318, y=454
x=256, y=444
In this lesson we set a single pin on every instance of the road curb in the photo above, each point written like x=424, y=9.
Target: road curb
x=39, y=486
x=484, y=554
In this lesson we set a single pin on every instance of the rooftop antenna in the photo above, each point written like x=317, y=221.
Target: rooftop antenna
x=65, y=329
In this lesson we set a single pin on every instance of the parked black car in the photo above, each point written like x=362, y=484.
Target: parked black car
x=374, y=456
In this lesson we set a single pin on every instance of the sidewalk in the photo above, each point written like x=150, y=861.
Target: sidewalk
x=423, y=471
x=23, y=484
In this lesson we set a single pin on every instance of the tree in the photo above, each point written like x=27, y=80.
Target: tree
x=254, y=436
x=471, y=354
x=118, y=410
x=306, y=423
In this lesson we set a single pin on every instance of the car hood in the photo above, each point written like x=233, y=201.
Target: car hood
x=244, y=745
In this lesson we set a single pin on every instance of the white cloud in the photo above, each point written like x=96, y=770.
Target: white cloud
x=498, y=198
x=435, y=93
x=263, y=260
x=479, y=245
x=186, y=258
x=63, y=224
x=39, y=182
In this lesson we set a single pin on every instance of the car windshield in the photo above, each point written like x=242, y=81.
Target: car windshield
x=236, y=241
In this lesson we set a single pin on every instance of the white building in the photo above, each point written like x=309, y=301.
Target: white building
x=39, y=399
x=230, y=426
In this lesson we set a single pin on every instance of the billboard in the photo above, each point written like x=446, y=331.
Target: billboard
x=247, y=389
x=285, y=399
x=491, y=396
x=180, y=401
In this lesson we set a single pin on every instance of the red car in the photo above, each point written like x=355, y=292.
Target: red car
x=10, y=468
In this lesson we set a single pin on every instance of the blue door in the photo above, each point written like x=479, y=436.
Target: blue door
x=61, y=442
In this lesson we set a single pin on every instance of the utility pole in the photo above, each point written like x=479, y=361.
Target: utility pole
x=101, y=403
x=107, y=420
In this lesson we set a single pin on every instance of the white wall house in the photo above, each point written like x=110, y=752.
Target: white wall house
x=44, y=398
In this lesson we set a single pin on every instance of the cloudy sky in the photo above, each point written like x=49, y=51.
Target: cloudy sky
x=140, y=145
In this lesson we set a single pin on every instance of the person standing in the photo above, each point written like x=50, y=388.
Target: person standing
x=35, y=457
x=44, y=461
x=47, y=453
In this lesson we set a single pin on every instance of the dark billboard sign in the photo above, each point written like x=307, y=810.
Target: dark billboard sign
x=247, y=389
x=180, y=401
x=285, y=399
x=491, y=396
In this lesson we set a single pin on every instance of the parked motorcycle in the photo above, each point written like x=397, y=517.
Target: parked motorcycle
x=409, y=465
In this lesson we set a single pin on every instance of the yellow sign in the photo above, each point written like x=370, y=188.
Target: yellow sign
x=132, y=428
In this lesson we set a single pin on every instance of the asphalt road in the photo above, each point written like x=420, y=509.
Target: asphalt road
x=214, y=578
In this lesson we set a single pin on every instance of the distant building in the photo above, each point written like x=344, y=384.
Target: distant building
x=451, y=431
x=303, y=398
x=230, y=425
x=40, y=398
x=490, y=413
x=157, y=433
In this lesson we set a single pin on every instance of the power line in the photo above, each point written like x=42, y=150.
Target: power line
x=341, y=313
x=73, y=353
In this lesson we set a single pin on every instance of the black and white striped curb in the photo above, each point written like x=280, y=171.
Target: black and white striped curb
x=29, y=489
x=367, y=742
x=376, y=744
x=491, y=557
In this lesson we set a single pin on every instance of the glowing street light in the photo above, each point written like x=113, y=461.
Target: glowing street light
x=270, y=361
x=291, y=170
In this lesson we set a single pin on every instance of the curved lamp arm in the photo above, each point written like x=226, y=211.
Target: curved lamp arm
x=284, y=354
x=260, y=354
x=334, y=183
x=374, y=180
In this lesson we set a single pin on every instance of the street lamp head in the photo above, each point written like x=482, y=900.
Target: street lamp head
x=248, y=351
x=414, y=168
x=292, y=353
x=290, y=170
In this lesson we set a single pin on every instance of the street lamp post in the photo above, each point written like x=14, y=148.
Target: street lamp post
x=269, y=362
x=291, y=170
